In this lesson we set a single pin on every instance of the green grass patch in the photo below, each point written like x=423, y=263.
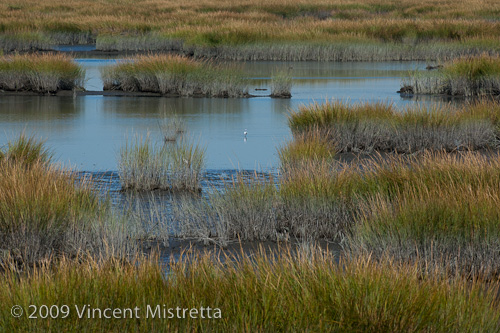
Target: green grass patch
x=174, y=166
x=44, y=211
x=382, y=127
x=465, y=76
x=43, y=73
x=307, y=291
x=174, y=75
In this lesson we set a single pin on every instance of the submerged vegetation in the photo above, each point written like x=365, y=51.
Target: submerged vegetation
x=174, y=75
x=276, y=30
x=43, y=73
x=367, y=127
x=174, y=166
x=466, y=76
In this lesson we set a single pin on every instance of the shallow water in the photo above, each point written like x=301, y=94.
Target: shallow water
x=87, y=132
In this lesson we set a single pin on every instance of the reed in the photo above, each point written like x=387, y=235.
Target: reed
x=306, y=147
x=307, y=291
x=45, y=211
x=465, y=76
x=27, y=150
x=174, y=75
x=172, y=128
x=440, y=208
x=281, y=84
x=42, y=73
x=302, y=204
x=145, y=166
x=384, y=31
x=381, y=127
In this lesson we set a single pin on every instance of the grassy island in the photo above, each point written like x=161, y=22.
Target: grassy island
x=41, y=73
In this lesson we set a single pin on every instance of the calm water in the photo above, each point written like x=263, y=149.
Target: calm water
x=87, y=132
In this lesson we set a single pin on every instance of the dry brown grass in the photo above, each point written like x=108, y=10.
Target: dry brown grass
x=209, y=22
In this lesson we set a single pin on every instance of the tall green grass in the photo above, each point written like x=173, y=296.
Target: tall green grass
x=175, y=166
x=302, y=204
x=45, y=211
x=44, y=73
x=174, y=75
x=341, y=49
x=382, y=127
x=438, y=208
x=306, y=147
x=465, y=76
x=281, y=84
x=307, y=291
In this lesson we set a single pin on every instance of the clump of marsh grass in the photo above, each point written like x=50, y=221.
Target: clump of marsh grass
x=145, y=166
x=45, y=211
x=174, y=75
x=308, y=146
x=262, y=209
x=27, y=150
x=436, y=209
x=465, y=76
x=281, y=84
x=244, y=209
x=381, y=127
x=306, y=291
x=147, y=219
x=43, y=73
x=172, y=128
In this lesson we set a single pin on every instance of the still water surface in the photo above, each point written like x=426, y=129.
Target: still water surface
x=86, y=132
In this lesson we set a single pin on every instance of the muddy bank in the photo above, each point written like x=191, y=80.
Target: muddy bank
x=114, y=93
x=178, y=247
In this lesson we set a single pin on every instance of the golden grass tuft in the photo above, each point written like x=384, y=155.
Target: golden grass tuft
x=44, y=73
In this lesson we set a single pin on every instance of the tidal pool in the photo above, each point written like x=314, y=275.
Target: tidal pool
x=86, y=132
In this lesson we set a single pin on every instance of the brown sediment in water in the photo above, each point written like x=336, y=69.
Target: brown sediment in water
x=177, y=247
x=113, y=93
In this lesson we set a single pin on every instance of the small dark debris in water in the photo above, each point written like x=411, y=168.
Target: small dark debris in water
x=406, y=90
x=282, y=95
x=260, y=89
x=430, y=68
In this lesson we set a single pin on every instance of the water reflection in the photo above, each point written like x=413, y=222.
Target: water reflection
x=21, y=108
x=88, y=131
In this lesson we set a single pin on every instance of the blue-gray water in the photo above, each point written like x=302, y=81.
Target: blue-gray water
x=86, y=132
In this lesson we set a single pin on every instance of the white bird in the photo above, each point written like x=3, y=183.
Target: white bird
x=245, y=133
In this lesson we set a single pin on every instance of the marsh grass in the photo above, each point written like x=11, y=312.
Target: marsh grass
x=465, y=76
x=339, y=49
x=43, y=73
x=306, y=147
x=46, y=211
x=172, y=128
x=244, y=209
x=174, y=75
x=439, y=208
x=307, y=290
x=259, y=29
x=281, y=84
x=27, y=150
x=367, y=127
x=147, y=219
x=261, y=209
x=173, y=166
